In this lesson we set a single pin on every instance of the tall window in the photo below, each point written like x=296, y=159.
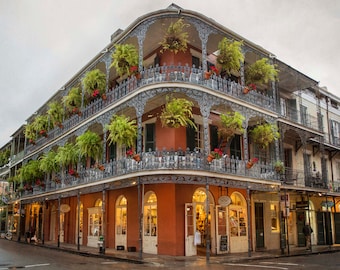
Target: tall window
x=283, y=107
x=121, y=215
x=150, y=215
x=150, y=137
x=274, y=217
x=237, y=216
x=335, y=132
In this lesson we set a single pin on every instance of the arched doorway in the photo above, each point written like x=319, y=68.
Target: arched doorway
x=199, y=224
x=150, y=223
x=53, y=223
x=80, y=221
x=94, y=224
x=121, y=222
x=238, y=230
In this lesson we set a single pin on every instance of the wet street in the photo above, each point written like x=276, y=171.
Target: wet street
x=14, y=255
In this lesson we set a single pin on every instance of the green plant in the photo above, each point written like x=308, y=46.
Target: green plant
x=72, y=101
x=4, y=157
x=90, y=145
x=264, y=134
x=232, y=123
x=261, y=72
x=40, y=124
x=122, y=131
x=177, y=112
x=230, y=55
x=30, y=133
x=94, y=83
x=48, y=162
x=124, y=58
x=56, y=113
x=67, y=155
x=30, y=171
x=279, y=166
x=175, y=38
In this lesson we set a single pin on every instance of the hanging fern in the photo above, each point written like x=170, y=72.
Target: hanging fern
x=230, y=55
x=264, y=134
x=67, y=154
x=72, y=100
x=56, y=113
x=124, y=57
x=48, y=162
x=175, y=38
x=90, y=145
x=95, y=82
x=261, y=72
x=177, y=112
x=122, y=131
x=232, y=123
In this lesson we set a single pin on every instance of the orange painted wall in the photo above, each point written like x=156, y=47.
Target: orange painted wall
x=181, y=58
x=170, y=138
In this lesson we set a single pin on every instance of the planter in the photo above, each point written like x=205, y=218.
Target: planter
x=136, y=157
x=245, y=90
x=104, y=97
x=249, y=164
x=210, y=158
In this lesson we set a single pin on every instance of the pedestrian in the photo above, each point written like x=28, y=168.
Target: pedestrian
x=307, y=231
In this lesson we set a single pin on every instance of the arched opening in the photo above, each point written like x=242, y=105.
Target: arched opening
x=121, y=223
x=94, y=223
x=238, y=223
x=150, y=223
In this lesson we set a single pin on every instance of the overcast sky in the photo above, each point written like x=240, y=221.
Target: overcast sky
x=43, y=43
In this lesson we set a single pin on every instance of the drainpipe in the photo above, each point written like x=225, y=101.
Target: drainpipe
x=78, y=227
x=58, y=222
x=104, y=219
x=207, y=223
x=248, y=221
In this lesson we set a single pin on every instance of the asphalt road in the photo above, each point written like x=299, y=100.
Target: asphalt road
x=14, y=255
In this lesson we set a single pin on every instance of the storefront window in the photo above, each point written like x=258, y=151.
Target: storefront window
x=274, y=217
x=237, y=216
x=150, y=215
x=121, y=216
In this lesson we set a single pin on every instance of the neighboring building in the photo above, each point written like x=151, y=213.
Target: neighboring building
x=174, y=201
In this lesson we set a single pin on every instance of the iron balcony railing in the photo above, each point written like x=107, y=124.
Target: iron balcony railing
x=159, y=74
x=160, y=161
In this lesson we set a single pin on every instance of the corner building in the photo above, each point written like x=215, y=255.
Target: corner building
x=174, y=201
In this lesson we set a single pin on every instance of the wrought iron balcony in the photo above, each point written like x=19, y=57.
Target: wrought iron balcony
x=161, y=162
x=159, y=74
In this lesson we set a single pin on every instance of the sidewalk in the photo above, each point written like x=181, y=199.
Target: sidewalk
x=165, y=260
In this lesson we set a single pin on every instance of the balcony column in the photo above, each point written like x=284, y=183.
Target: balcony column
x=205, y=106
x=203, y=31
x=245, y=138
x=104, y=147
x=107, y=60
x=138, y=103
x=274, y=84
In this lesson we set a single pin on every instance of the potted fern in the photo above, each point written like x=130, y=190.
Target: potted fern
x=125, y=59
x=230, y=55
x=95, y=84
x=30, y=133
x=175, y=38
x=279, y=167
x=232, y=123
x=40, y=124
x=90, y=145
x=122, y=131
x=56, y=113
x=72, y=101
x=264, y=134
x=177, y=113
x=260, y=72
x=68, y=156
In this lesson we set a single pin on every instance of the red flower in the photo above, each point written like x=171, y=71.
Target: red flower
x=95, y=93
x=214, y=70
x=254, y=160
x=217, y=153
x=71, y=172
x=252, y=86
x=133, y=69
x=129, y=153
